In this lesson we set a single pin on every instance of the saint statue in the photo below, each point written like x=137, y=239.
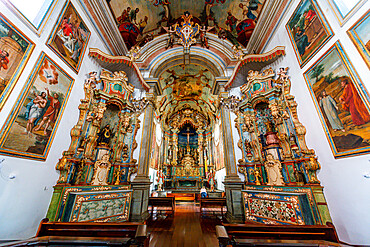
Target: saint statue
x=273, y=170
x=104, y=136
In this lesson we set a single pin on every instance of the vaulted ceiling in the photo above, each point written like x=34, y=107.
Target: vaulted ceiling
x=234, y=28
x=138, y=18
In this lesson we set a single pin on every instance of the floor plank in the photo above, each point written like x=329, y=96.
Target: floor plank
x=185, y=228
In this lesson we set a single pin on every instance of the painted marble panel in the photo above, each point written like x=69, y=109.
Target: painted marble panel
x=105, y=207
x=277, y=208
x=30, y=128
x=342, y=102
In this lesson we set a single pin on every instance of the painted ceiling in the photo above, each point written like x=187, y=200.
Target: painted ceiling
x=186, y=86
x=139, y=19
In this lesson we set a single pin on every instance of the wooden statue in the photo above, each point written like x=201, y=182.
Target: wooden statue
x=273, y=170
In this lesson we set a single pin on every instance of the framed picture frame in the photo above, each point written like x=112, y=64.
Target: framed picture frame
x=341, y=101
x=32, y=123
x=360, y=36
x=33, y=19
x=308, y=30
x=15, y=50
x=69, y=37
x=344, y=10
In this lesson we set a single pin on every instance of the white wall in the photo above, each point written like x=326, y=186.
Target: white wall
x=24, y=200
x=220, y=177
x=346, y=190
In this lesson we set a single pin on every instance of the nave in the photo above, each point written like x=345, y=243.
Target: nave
x=185, y=228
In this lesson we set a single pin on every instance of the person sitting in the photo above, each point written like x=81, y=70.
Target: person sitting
x=203, y=192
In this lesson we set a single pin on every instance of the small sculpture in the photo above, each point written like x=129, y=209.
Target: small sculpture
x=104, y=136
x=273, y=170
x=90, y=84
x=101, y=171
x=117, y=174
x=281, y=73
x=257, y=175
x=299, y=176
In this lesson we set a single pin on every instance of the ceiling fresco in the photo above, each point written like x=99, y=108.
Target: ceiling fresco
x=141, y=20
x=186, y=86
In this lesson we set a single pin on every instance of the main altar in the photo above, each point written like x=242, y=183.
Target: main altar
x=185, y=167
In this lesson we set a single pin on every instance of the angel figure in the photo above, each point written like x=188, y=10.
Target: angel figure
x=171, y=37
x=281, y=73
x=203, y=37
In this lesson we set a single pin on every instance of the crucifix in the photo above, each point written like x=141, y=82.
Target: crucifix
x=188, y=138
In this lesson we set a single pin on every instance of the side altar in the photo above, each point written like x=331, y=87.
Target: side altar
x=281, y=185
x=95, y=171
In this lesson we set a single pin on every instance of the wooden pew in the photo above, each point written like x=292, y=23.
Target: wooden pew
x=168, y=202
x=212, y=203
x=88, y=234
x=266, y=235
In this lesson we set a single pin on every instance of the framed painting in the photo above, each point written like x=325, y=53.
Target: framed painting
x=31, y=125
x=344, y=9
x=360, y=36
x=341, y=101
x=34, y=14
x=308, y=30
x=70, y=37
x=15, y=49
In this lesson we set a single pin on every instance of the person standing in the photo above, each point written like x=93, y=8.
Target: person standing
x=51, y=113
x=352, y=102
x=328, y=104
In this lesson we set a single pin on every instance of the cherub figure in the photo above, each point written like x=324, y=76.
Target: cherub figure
x=281, y=73
x=90, y=84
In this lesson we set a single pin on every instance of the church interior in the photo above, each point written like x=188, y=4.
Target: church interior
x=184, y=123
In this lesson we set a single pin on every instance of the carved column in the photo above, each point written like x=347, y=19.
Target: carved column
x=175, y=146
x=200, y=146
x=141, y=184
x=232, y=182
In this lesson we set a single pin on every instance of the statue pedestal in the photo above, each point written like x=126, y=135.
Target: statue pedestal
x=234, y=200
x=140, y=199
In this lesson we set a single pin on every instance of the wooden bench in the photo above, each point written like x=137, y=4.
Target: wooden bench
x=162, y=202
x=88, y=234
x=213, y=203
x=265, y=235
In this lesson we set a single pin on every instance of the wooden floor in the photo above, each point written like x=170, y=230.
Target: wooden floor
x=185, y=228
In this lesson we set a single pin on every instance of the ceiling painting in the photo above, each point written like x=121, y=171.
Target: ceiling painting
x=186, y=86
x=140, y=20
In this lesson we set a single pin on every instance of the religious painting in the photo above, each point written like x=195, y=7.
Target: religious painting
x=70, y=37
x=344, y=9
x=34, y=14
x=188, y=85
x=308, y=30
x=140, y=21
x=219, y=159
x=15, y=49
x=154, y=152
x=342, y=102
x=30, y=127
x=360, y=36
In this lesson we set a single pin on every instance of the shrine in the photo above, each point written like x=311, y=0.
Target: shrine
x=184, y=123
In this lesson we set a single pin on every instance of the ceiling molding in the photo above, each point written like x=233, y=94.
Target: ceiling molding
x=253, y=62
x=120, y=63
x=267, y=22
